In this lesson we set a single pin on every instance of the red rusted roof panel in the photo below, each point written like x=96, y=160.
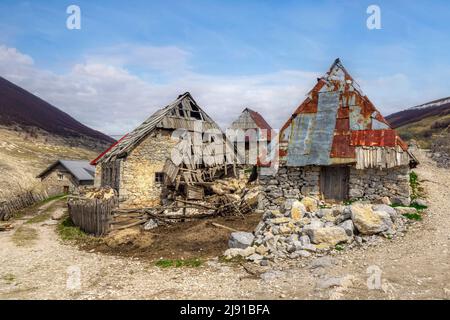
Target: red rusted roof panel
x=374, y=138
x=94, y=162
x=341, y=147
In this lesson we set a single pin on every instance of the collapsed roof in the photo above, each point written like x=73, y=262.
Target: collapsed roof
x=338, y=124
x=180, y=114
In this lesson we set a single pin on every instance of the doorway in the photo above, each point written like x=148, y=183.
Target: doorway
x=334, y=183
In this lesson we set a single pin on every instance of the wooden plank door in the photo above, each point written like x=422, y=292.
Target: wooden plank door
x=334, y=182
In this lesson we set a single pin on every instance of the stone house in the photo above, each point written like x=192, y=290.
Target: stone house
x=64, y=176
x=138, y=165
x=337, y=146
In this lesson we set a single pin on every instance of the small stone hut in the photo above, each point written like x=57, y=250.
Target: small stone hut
x=138, y=164
x=337, y=146
x=64, y=176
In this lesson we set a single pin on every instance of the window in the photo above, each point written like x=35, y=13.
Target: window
x=60, y=176
x=159, y=177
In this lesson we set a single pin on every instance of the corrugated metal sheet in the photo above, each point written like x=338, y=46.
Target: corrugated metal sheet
x=357, y=123
x=312, y=135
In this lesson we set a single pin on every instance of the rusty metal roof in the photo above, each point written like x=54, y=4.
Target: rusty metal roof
x=250, y=119
x=334, y=119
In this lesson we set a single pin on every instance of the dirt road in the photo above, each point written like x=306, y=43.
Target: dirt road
x=416, y=266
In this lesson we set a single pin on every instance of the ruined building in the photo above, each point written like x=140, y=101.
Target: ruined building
x=139, y=165
x=337, y=146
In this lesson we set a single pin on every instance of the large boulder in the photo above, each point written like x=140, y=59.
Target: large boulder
x=310, y=204
x=328, y=235
x=240, y=240
x=368, y=222
x=382, y=207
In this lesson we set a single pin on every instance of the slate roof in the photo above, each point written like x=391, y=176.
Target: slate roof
x=80, y=169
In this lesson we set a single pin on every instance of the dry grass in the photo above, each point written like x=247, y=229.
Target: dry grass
x=22, y=158
x=422, y=131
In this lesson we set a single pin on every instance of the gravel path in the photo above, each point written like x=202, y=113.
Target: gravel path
x=413, y=267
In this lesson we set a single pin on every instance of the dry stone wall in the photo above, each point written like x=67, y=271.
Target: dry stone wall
x=374, y=184
x=138, y=187
x=289, y=183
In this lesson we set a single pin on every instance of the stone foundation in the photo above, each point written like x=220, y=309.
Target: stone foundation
x=281, y=190
x=291, y=183
x=374, y=184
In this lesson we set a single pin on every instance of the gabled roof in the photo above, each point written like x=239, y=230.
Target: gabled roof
x=335, y=119
x=250, y=119
x=181, y=113
x=80, y=169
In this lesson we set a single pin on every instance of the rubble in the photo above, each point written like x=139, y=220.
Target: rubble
x=311, y=227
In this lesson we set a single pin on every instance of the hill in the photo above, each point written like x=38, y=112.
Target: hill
x=429, y=125
x=33, y=134
x=439, y=108
x=21, y=108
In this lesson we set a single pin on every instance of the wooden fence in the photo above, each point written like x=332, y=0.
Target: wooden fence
x=92, y=215
x=10, y=207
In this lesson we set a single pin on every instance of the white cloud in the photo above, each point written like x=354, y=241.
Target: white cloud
x=103, y=94
x=165, y=59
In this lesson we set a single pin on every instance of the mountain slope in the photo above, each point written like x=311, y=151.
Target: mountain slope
x=429, y=125
x=20, y=107
x=439, y=107
x=33, y=134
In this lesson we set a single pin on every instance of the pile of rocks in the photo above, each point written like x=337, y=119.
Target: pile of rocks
x=309, y=227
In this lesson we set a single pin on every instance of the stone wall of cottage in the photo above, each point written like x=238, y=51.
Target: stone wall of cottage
x=291, y=183
x=374, y=184
x=287, y=185
x=138, y=187
x=55, y=185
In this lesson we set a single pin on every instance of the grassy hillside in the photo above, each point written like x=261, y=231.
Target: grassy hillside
x=427, y=130
x=24, y=154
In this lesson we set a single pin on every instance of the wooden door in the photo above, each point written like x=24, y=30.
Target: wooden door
x=334, y=183
x=66, y=189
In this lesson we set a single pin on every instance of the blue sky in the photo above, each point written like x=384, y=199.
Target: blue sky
x=130, y=58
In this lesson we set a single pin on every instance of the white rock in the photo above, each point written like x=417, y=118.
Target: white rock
x=240, y=240
x=150, y=224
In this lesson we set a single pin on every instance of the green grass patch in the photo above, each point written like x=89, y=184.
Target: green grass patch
x=351, y=201
x=35, y=206
x=57, y=197
x=178, y=263
x=69, y=232
x=39, y=218
x=24, y=236
x=418, y=207
x=413, y=216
